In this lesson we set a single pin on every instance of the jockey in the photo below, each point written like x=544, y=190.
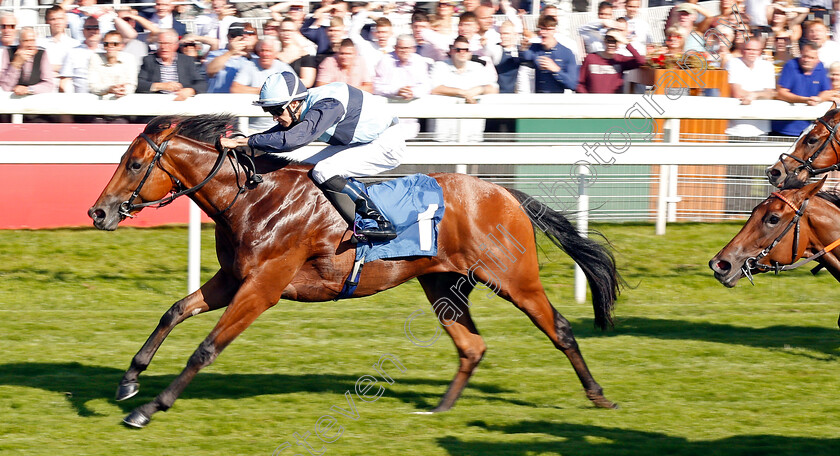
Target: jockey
x=363, y=137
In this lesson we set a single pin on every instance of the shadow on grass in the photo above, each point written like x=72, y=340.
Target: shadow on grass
x=81, y=384
x=789, y=339
x=543, y=437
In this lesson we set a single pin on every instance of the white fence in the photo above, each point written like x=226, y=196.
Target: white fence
x=626, y=109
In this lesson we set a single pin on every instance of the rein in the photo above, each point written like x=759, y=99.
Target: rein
x=752, y=263
x=808, y=164
x=252, y=178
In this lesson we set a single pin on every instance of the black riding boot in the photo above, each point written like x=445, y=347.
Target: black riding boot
x=349, y=198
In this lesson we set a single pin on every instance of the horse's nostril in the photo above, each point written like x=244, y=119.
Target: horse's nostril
x=98, y=214
x=723, y=265
x=772, y=172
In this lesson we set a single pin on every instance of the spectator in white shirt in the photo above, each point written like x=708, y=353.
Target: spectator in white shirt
x=59, y=42
x=113, y=73
x=74, y=69
x=461, y=77
x=817, y=32
x=751, y=78
x=638, y=30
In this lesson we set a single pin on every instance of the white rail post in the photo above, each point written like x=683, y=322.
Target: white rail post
x=583, y=229
x=194, y=250
x=672, y=136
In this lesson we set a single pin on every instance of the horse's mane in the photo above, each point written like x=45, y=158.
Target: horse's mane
x=832, y=196
x=206, y=128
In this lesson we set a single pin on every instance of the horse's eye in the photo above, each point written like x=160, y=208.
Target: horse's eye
x=812, y=140
x=773, y=219
x=136, y=165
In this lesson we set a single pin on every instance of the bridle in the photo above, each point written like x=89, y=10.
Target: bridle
x=808, y=164
x=252, y=178
x=752, y=264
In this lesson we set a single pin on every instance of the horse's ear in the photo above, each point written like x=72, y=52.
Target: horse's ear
x=812, y=189
x=833, y=105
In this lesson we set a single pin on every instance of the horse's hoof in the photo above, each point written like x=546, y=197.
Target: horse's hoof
x=127, y=390
x=600, y=401
x=136, y=419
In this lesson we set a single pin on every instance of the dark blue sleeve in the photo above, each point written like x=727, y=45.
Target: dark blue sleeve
x=320, y=117
x=568, y=76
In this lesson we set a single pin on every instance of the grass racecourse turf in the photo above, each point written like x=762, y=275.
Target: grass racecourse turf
x=697, y=369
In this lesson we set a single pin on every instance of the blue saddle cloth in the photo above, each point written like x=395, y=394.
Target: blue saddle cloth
x=414, y=204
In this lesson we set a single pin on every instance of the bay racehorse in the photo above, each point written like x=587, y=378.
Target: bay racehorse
x=277, y=237
x=815, y=152
x=787, y=230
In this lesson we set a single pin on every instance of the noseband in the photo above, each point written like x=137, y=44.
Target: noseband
x=752, y=264
x=808, y=164
x=126, y=207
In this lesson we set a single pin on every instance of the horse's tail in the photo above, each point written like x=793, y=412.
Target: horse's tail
x=596, y=260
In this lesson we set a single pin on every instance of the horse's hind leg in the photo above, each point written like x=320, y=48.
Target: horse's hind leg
x=216, y=293
x=440, y=289
x=531, y=299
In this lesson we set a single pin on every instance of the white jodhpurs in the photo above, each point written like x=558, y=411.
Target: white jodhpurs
x=358, y=160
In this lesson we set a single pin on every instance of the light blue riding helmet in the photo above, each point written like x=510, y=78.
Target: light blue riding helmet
x=280, y=89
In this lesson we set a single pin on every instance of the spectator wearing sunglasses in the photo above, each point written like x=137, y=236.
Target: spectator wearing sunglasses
x=114, y=73
x=74, y=69
x=8, y=29
x=461, y=77
x=222, y=65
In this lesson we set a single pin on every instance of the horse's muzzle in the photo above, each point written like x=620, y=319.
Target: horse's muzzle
x=104, y=219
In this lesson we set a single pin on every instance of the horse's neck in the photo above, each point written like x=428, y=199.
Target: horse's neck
x=824, y=221
x=220, y=191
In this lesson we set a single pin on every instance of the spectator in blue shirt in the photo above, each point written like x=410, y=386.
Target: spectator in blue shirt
x=556, y=69
x=803, y=80
x=222, y=65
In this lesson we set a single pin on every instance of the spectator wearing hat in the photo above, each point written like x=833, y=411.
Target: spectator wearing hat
x=803, y=80
x=221, y=65
x=25, y=69
x=555, y=67
x=603, y=72
x=166, y=71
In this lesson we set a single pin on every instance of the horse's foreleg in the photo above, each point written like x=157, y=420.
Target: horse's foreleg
x=216, y=293
x=249, y=303
x=448, y=294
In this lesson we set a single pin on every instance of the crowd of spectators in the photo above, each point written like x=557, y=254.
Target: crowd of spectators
x=771, y=49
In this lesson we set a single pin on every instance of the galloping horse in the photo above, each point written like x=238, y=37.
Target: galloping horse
x=277, y=237
x=814, y=153
x=788, y=229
